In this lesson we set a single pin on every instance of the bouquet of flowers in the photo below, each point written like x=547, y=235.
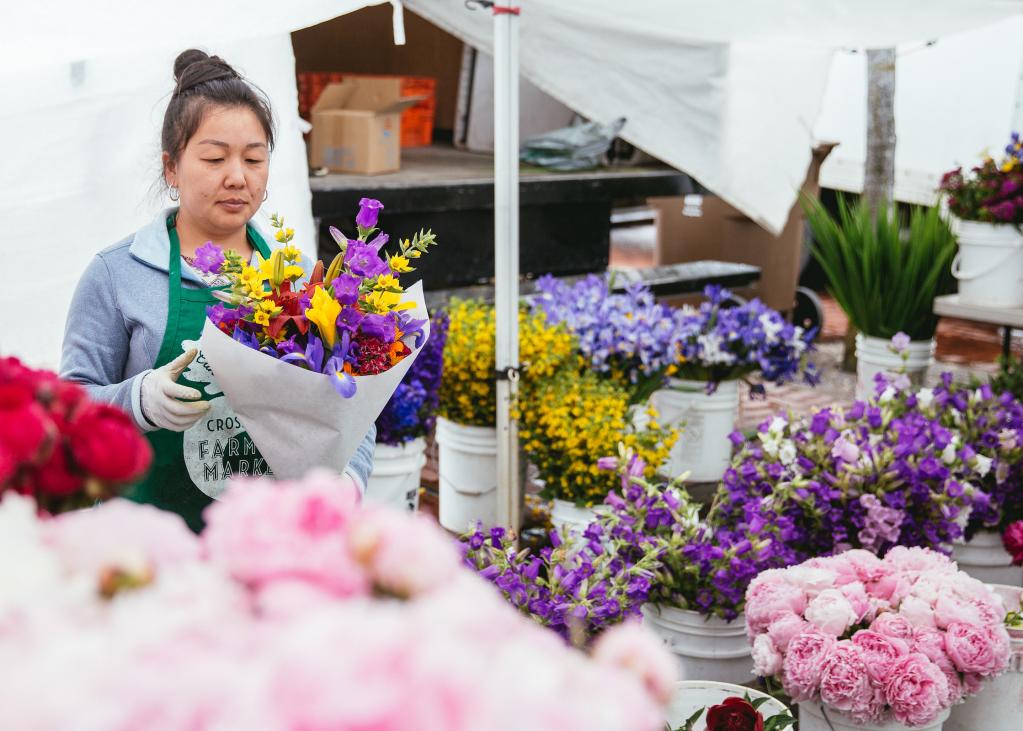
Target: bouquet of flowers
x=872, y=476
x=350, y=328
x=904, y=637
x=737, y=713
x=411, y=412
x=59, y=446
x=991, y=191
x=118, y=604
x=714, y=343
x=625, y=336
x=468, y=391
x=565, y=420
x=699, y=567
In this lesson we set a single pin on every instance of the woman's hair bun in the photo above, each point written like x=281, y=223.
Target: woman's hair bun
x=194, y=67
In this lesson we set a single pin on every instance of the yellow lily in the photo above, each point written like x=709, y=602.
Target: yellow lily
x=323, y=313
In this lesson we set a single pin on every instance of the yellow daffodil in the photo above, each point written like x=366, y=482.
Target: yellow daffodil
x=323, y=313
x=399, y=264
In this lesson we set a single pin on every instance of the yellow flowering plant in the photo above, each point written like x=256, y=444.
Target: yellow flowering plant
x=570, y=420
x=468, y=392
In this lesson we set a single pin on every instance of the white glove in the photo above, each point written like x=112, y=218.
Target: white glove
x=167, y=404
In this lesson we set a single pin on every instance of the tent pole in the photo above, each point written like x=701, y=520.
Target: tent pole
x=506, y=257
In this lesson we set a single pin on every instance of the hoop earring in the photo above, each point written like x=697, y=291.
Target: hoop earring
x=173, y=194
x=266, y=194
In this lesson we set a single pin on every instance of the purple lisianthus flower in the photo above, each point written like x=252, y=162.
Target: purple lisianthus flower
x=379, y=326
x=346, y=289
x=369, y=211
x=208, y=258
x=364, y=260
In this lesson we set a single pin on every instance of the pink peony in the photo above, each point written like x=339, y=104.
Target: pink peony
x=915, y=560
x=917, y=611
x=879, y=652
x=868, y=567
x=894, y=625
x=930, y=642
x=1012, y=539
x=856, y=594
x=784, y=628
x=950, y=609
x=634, y=649
x=766, y=657
x=846, y=684
x=917, y=690
x=804, y=663
x=770, y=596
x=831, y=612
x=265, y=531
x=981, y=650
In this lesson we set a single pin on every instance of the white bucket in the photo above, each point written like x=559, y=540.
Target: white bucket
x=569, y=519
x=873, y=356
x=999, y=705
x=692, y=695
x=811, y=718
x=396, y=474
x=703, y=448
x=705, y=648
x=467, y=473
x=989, y=265
x=985, y=558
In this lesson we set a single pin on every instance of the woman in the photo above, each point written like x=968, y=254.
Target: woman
x=135, y=320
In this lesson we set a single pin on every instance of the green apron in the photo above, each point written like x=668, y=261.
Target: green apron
x=191, y=468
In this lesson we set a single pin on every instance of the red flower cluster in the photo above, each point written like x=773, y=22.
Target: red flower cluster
x=59, y=446
x=1012, y=539
x=735, y=714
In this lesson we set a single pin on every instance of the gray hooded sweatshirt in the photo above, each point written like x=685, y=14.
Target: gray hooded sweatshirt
x=117, y=320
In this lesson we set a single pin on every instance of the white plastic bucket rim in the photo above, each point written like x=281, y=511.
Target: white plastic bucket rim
x=683, y=391
x=390, y=459
x=1007, y=236
x=466, y=438
x=877, y=352
x=693, y=634
x=564, y=512
x=691, y=695
x=838, y=721
x=984, y=549
x=989, y=264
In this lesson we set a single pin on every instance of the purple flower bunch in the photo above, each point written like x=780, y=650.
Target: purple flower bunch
x=624, y=335
x=716, y=343
x=577, y=590
x=874, y=476
x=411, y=411
x=701, y=567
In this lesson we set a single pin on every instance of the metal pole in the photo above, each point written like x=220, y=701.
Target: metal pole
x=506, y=256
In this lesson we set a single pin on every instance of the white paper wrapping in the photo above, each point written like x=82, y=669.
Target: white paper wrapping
x=294, y=416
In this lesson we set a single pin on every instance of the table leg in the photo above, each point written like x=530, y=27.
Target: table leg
x=1007, y=342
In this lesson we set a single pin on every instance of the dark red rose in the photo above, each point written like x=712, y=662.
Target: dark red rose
x=735, y=714
x=26, y=431
x=55, y=477
x=106, y=443
x=1012, y=539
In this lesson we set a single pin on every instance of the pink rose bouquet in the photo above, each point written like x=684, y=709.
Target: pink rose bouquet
x=899, y=638
x=297, y=608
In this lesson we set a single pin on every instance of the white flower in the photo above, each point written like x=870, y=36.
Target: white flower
x=777, y=425
x=925, y=396
x=982, y=464
x=771, y=326
x=948, y=455
x=1007, y=439
x=787, y=452
x=887, y=395
x=831, y=612
x=766, y=659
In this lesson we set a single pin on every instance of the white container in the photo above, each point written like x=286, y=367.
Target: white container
x=874, y=355
x=985, y=558
x=569, y=519
x=705, y=648
x=396, y=474
x=999, y=705
x=812, y=718
x=692, y=695
x=703, y=448
x=989, y=265
x=467, y=473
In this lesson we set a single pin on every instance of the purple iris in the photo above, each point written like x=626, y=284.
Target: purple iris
x=208, y=258
x=363, y=260
x=343, y=383
x=246, y=338
x=286, y=347
x=379, y=326
x=411, y=326
x=312, y=358
x=369, y=211
x=346, y=289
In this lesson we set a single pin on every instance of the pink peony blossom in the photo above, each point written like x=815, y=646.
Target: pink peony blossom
x=856, y=594
x=784, y=628
x=770, y=596
x=915, y=559
x=766, y=657
x=930, y=642
x=981, y=650
x=868, y=567
x=831, y=612
x=917, y=690
x=846, y=684
x=804, y=662
x=951, y=609
x=879, y=652
x=635, y=649
x=917, y=611
x=894, y=625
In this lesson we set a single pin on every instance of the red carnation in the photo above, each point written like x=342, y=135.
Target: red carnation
x=1012, y=539
x=54, y=477
x=105, y=443
x=735, y=714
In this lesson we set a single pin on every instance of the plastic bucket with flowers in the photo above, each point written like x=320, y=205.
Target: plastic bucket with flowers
x=705, y=647
x=396, y=474
x=989, y=265
x=893, y=358
x=815, y=717
x=703, y=450
x=467, y=462
x=984, y=557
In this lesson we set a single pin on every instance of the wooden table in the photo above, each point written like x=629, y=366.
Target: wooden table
x=1008, y=318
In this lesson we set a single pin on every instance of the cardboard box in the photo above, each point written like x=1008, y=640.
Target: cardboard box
x=709, y=228
x=417, y=121
x=357, y=126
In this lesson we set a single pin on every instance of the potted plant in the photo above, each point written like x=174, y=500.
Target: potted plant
x=885, y=277
x=466, y=433
x=861, y=642
x=404, y=424
x=987, y=205
x=715, y=346
x=697, y=593
x=564, y=421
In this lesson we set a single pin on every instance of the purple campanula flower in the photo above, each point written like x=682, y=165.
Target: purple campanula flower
x=346, y=289
x=379, y=326
x=364, y=261
x=208, y=258
x=369, y=211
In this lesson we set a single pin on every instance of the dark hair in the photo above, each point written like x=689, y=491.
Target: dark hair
x=201, y=82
